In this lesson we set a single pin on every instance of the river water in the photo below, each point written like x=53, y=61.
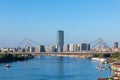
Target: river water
x=53, y=68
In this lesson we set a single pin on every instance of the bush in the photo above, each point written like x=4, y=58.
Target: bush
x=116, y=55
x=96, y=55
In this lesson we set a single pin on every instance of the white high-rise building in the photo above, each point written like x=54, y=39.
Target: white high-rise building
x=66, y=48
x=47, y=48
x=73, y=48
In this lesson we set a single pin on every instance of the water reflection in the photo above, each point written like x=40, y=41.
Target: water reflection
x=60, y=66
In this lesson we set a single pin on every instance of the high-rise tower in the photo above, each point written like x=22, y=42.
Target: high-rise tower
x=60, y=41
x=116, y=45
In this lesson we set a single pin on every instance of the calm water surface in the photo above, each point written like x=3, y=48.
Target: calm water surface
x=53, y=68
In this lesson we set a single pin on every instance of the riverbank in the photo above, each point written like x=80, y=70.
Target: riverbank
x=8, y=57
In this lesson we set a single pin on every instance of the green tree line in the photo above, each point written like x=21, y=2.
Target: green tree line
x=7, y=57
x=114, y=55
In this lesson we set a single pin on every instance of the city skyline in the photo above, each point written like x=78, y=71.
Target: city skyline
x=82, y=21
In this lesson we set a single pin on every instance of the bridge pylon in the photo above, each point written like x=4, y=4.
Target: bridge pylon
x=27, y=44
x=99, y=46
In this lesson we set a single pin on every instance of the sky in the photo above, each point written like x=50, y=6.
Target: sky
x=39, y=20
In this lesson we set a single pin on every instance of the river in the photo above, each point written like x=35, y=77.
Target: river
x=53, y=68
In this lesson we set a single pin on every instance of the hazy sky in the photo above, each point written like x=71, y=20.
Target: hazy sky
x=39, y=20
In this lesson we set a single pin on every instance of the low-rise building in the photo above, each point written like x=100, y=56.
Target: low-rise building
x=116, y=71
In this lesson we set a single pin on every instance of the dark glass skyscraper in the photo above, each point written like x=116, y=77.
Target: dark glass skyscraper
x=60, y=41
x=116, y=45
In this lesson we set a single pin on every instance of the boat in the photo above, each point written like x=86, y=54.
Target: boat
x=7, y=65
x=108, y=68
x=103, y=68
x=100, y=67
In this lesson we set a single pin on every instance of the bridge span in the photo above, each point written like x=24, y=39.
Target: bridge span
x=71, y=54
x=74, y=54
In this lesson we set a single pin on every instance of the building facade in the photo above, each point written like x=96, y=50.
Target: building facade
x=32, y=49
x=39, y=48
x=66, y=48
x=60, y=41
x=116, y=45
x=73, y=48
x=84, y=47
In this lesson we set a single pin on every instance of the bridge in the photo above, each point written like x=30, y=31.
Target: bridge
x=97, y=47
x=68, y=54
x=76, y=54
x=61, y=53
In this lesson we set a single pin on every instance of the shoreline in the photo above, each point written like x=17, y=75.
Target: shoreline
x=8, y=57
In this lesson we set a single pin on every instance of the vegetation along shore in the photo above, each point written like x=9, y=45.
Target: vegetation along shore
x=8, y=57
